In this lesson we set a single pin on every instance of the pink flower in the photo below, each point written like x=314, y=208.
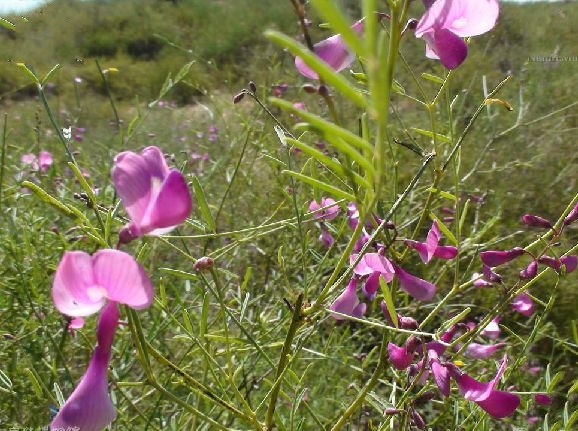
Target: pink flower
x=43, y=162
x=400, y=357
x=373, y=262
x=421, y=290
x=89, y=407
x=326, y=238
x=332, y=51
x=83, y=283
x=329, y=212
x=481, y=351
x=543, y=399
x=156, y=198
x=430, y=248
x=497, y=404
x=536, y=221
x=446, y=22
x=523, y=304
x=348, y=302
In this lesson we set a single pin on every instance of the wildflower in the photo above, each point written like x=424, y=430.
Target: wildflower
x=326, y=238
x=42, y=163
x=497, y=404
x=83, y=283
x=530, y=271
x=536, y=221
x=373, y=262
x=329, y=212
x=332, y=51
x=446, y=22
x=400, y=357
x=481, y=351
x=479, y=280
x=543, y=399
x=572, y=216
x=348, y=302
x=430, y=248
x=89, y=407
x=156, y=198
x=421, y=290
x=523, y=304
x=494, y=258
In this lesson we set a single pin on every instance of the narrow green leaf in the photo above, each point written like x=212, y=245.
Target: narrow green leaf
x=7, y=24
x=28, y=72
x=323, y=69
x=83, y=183
x=573, y=388
x=324, y=125
x=34, y=382
x=334, y=191
x=433, y=78
x=39, y=192
x=246, y=279
x=204, y=316
x=431, y=135
x=49, y=74
x=463, y=215
x=178, y=273
x=444, y=229
x=443, y=194
x=573, y=418
x=388, y=301
x=330, y=163
x=552, y=385
x=187, y=321
x=203, y=205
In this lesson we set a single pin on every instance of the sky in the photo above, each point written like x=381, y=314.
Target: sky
x=7, y=6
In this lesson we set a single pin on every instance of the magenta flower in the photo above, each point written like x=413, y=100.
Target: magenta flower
x=543, y=399
x=530, y=271
x=373, y=262
x=498, y=257
x=332, y=51
x=400, y=357
x=43, y=162
x=536, y=221
x=326, y=210
x=446, y=22
x=497, y=404
x=352, y=215
x=523, y=304
x=348, y=302
x=89, y=407
x=326, y=238
x=572, y=216
x=421, y=290
x=83, y=283
x=430, y=248
x=156, y=198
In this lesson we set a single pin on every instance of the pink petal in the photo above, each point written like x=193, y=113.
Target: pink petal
x=123, y=278
x=73, y=280
x=500, y=404
x=374, y=262
x=326, y=238
x=481, y=351
x=172, y=205
x=494, y=258
x=523, y=304
x=45, y=160
x=530, y=271
x=432, y=241
x=371, y=285
x=441, y=376
x=446, y=252
x=89, y=407
x=451, y=49
x=462, y=17
x=543, y=399
x=492, y=330
x=346, y=302
x=332, y=51
x=570, y=262
x=536, y=221
x=399, y=356
x=420, y=289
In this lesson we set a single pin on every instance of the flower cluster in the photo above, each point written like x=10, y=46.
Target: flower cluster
x=157, y=199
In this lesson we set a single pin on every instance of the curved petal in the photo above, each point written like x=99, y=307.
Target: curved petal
x=347, y=302
x=451, y=49
x=123, y=278
x=500, y=404
x=155, y=162
x=171, y=206
x=89, y=407
x=399, y=356
x=420, y=289
x=73, y=281
x=441, y=376
x=482, y=351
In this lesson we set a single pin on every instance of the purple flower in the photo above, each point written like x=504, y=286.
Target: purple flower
x=543, y=399
x=332, y=51
x=352, y=215
x=494, y=258
x=446, y=22
x=523, y=304
x=430, y=248
x=482, y=351
x=89, y=407
x=570, y=262
x=348, y=302
x=156, y=198
x=400, y=357
x=530, y=271
x=421, y=290
x=536, y=221
x=326, y=238
x=497, y=404
x=479, y=280
x=572, y=216
x=329, y=212
x=83, y=283
x=43, y=162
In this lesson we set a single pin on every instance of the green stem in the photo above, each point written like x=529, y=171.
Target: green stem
x=296, y=322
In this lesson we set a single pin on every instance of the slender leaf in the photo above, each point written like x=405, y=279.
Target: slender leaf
x=338, y=193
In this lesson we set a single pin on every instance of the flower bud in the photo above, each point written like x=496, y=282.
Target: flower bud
x=530, y=271
x=238, y=97
x=252, y=86
x=494, y=258
x=572, y=216
x=204, y=263
x=536, y=221
x=309, y=88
